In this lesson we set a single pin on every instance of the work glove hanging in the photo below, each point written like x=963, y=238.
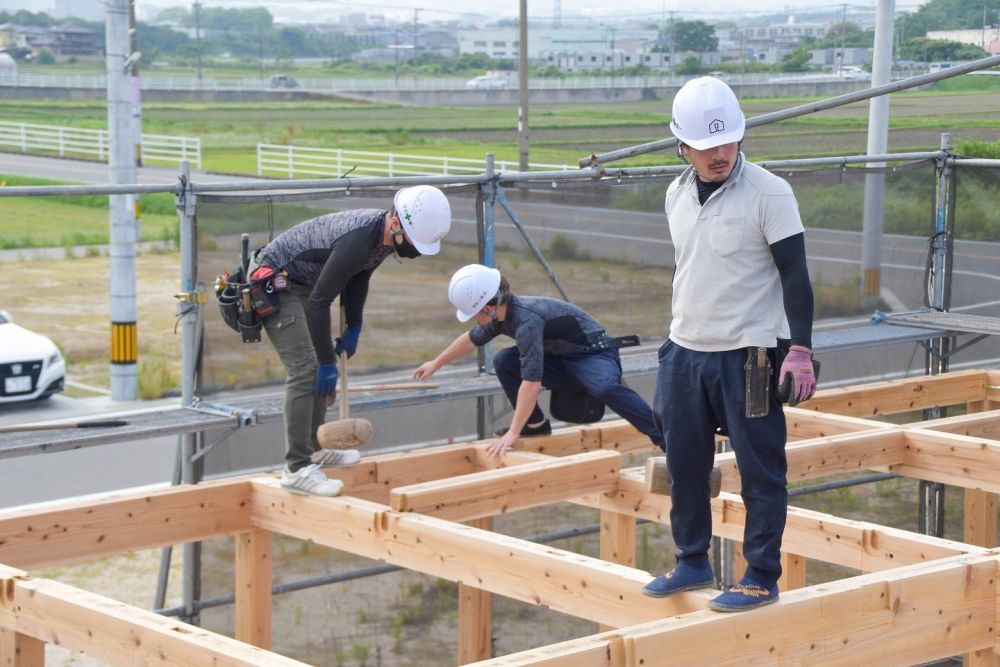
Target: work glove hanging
x=348, y=341
x=326, y=381
x=798, y=382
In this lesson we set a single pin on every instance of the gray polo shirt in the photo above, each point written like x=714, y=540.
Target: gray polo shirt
x=727, y=291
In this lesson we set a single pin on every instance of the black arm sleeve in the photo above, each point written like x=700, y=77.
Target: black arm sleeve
x=347, y=259
x=354, y=295
x=790, y=257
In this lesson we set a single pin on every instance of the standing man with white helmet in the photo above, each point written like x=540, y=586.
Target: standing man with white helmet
x=559, y=346
x=326, y=257
x=741, y=294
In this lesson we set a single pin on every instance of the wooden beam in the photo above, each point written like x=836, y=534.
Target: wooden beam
x=600, y=650
x=805, y=424
x=253, y=588
x=538, y=574
x=617, y=435
x=617, y=540
x=970, y=463
x=475, y=615
x=493, y=492
x=975, y=424
x=80, y=530
x=903, y=616
x=861, y=545
x=884, y=398
x=116, y=633
x=793, y=572
x=17, y=650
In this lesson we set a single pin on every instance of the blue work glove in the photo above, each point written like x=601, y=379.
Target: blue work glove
x=348, y=341
x=326, y=380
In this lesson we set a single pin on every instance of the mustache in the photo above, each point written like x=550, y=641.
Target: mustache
x=718, y=163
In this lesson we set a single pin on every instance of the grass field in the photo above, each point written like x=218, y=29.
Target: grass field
x=559, y=133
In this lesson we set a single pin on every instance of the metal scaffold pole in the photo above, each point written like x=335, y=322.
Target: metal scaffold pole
x=487, y=257
x=190, y=307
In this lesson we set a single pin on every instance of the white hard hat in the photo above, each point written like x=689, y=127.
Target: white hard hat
x=707, y=114
x=471, y=288
x=425, y=214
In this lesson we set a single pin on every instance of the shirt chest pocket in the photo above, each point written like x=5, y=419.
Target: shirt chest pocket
x=726, y=234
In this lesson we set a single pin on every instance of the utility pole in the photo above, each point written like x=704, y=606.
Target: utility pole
x=673, y=65
x=522, y=87
x=121, y=170
x=134, y=91
x=612, y=57
x=260, y=53
x=843, y=35
x=395, y=57
x=415, y=11
x=197, y=35
x=878, y=141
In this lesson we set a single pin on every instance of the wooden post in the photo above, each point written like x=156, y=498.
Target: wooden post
x=617, y=542
x=793, y=572
x=253, y=588
x=475, y=615
x=17, y=650
x=980, y=516
x=739, y=562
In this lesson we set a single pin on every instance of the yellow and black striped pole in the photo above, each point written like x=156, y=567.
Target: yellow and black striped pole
x=124, y=343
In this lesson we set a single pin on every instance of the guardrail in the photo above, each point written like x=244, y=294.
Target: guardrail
x=81, y=142
x=292, y=161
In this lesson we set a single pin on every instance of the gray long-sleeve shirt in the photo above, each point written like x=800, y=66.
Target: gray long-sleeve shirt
x=334, y=254
x=540, y=325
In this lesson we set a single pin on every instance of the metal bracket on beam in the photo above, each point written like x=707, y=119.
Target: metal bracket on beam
x=243, y=417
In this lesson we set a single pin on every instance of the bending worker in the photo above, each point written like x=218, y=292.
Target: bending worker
x=326, y=257
x=741, y=283
x=559, y=346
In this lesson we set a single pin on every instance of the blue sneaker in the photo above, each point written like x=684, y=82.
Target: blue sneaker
x=744, y=596
x=682, y=578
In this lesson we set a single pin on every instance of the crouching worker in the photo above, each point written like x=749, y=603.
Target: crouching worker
x=559, y=347
x=326, y=257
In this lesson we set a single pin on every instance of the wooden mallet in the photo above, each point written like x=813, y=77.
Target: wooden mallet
x=345, y=433
x=658, y=477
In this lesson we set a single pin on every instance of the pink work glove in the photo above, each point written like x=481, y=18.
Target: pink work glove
x=797, y=370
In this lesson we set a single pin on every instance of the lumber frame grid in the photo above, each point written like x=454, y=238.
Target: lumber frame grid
x=918, y=598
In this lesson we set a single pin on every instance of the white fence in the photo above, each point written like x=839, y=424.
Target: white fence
x=77, y=142
x=294, y=161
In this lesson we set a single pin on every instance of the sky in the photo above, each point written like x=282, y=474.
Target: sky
x=324, y=10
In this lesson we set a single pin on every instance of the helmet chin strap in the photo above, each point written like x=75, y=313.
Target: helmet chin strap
x=500, y=297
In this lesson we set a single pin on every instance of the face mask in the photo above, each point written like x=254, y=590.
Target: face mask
x=403, y=248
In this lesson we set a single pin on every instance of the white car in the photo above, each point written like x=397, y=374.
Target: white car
x=486, y=82
x=854, y=73
x=31, y=366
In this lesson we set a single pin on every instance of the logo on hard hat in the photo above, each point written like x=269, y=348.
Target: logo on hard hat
x=716, y=125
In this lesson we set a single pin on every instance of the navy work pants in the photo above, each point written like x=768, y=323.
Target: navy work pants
x=695, y=393
x=598, y=374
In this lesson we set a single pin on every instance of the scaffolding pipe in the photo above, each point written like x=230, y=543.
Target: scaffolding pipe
x=803, y=109
x=512, y=177
x=531, y=244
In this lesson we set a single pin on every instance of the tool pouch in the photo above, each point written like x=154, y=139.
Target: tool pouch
x=575, y=407
x=779, y=358
x=265, y=283
x=758, y=382
x=227, y=295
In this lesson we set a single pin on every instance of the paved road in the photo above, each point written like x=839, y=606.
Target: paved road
x=638, y=237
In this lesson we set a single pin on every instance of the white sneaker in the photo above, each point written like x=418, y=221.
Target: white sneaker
x=310, y=480
x=336, y=457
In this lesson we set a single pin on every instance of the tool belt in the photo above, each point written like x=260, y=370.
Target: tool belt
x=579, y=407
x=243, y=303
